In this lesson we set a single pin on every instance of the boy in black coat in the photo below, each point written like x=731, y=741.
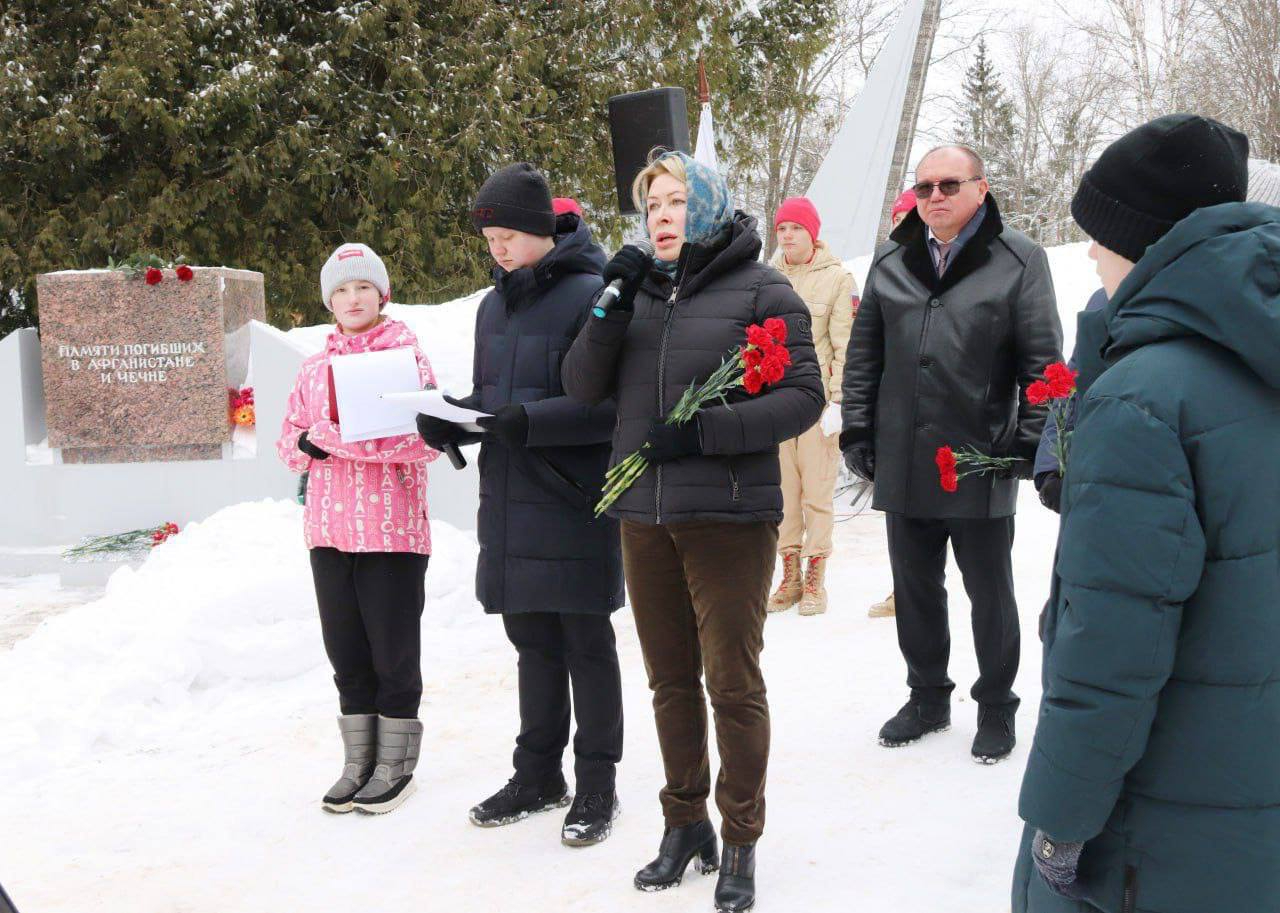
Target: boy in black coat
x=551, y=569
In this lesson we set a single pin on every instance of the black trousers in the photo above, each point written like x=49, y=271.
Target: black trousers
x=557, y=650
x=370, y=617
x=918, y=556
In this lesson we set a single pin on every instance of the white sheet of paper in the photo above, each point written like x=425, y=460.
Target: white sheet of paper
x=431, y=402
x=360, y=379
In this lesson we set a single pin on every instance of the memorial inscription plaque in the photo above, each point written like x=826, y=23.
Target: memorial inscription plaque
x=136, y=372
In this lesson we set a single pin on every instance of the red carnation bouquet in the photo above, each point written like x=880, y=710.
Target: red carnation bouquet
x=150, y=267
x=762, y=361
x=1057, y=388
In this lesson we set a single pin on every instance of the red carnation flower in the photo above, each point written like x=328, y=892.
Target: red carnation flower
x=1058, y=370
x=1061, y=389
x=759, y=337
x=950, y=481
x=752, y=382
x=773, y=368
x=1038, y=393
x=777, y=328
x=752, y=358
x=154, y=276
x=1061, y=380
x=946, y=459
x=184, y=273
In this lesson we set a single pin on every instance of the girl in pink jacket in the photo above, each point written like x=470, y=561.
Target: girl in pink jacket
x=366, y=525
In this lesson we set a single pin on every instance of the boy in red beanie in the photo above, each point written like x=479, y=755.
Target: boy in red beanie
x=810, y=462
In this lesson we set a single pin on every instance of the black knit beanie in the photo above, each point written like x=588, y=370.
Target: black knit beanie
x=1156, y=175
x=515, y=197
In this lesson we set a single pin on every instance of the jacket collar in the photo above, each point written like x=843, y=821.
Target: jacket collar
x=574, y=252
x=912, y=237
x=822, y=259
x=700, y=263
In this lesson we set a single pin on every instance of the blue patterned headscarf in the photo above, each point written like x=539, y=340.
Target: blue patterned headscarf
x=710, y=206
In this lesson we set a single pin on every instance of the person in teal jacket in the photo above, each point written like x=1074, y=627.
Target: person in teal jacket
x=1153, y=782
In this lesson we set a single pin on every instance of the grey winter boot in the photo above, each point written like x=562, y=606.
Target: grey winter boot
x=359, y=738
x=392, y=780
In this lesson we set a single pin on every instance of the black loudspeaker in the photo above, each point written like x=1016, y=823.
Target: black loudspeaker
x=639, y=121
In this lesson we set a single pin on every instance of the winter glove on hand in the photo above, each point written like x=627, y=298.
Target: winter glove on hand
x=631, y=265
x=439, y=434
x=830, y=420
x=1057, y=864
x=861, y=460
x=510, y=425
x=1049, y=484
x=1021, y=469
x=310, y=449
x=670, y=442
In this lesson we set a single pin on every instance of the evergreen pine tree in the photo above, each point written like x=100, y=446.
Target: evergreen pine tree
x=262, y=133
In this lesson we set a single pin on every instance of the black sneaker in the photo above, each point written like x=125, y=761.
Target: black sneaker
x=515, y=802
x=590, y=819
x=914, y=721
x=995, y=738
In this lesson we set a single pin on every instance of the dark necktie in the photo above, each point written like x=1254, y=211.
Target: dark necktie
x=944, y=256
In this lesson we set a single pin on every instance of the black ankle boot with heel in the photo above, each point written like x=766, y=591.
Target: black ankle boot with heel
x=678, y=848
x=736, y=888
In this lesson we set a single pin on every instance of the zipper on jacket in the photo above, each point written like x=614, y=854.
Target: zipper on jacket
x=1129, y=900
x=735, y=493
x=662, y=379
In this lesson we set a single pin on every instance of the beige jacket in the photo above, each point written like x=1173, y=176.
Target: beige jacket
x=831, y=295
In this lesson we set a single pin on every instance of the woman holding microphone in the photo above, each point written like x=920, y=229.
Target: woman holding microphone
x=700, y=526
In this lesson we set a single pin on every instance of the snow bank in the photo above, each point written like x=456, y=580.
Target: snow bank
x=225, y=606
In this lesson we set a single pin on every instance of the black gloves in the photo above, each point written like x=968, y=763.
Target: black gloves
x=439, y=434
x=510, y=425
x=631, y=265
x=311, y=449
x=1021, y=469
x=1049, y=484
x=861, y=460
x=1057, y=864
x=670, y=442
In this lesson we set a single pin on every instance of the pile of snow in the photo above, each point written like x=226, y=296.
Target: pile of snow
x=225, y=607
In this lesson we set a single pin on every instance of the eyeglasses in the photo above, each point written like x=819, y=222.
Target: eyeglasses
x=949, y=188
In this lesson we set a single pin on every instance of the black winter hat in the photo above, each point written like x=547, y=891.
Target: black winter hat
x=1155, y=176
x=515, y=197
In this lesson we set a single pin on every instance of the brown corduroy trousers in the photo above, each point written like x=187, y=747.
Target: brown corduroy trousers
x=698, y=593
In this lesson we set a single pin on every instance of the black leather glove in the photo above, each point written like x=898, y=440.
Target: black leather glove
x=1049, y=484
x=439, y=433
x=861, y=460
x=310, y=449
x=510, y=424
x=631, y=265
x=1021, y=469
x=670, y=442
x=1058, y=864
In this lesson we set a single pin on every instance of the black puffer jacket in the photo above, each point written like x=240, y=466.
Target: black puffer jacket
x=648, y=359
x=948, y=361
x=540, y=548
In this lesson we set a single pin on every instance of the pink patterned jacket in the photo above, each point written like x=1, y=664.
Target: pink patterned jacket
x=369, y=496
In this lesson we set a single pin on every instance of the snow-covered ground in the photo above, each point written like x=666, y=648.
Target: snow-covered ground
x=165, y=745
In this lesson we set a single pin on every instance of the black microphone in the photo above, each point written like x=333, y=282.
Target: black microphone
x=613, y=291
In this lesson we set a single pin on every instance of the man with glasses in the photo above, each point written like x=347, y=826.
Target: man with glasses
x=957, y=319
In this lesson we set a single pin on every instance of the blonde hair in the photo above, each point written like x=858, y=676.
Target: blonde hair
x=658, y=165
